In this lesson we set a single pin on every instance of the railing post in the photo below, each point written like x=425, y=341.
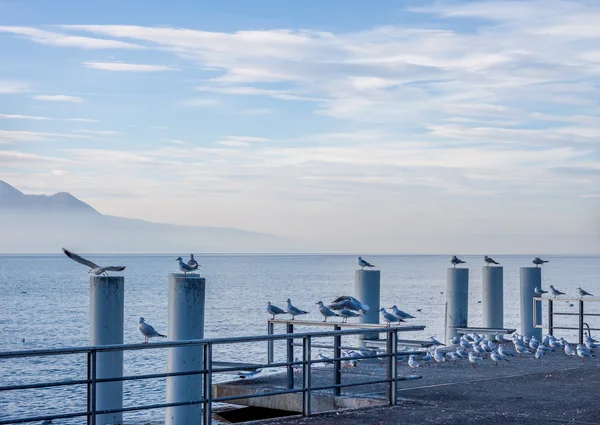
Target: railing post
x=290, y=356
x=337, y=364
x=550, y=316
x=581, y=321
x=306, y=369
x=92, y=412
x=391, y=367
x=270, y=343
x=207, y=413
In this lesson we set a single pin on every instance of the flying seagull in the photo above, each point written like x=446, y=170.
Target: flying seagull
x=490, y=261
x=555, y=291
x=192, y=261
x=273, y=310
x=94, y=268
x=583, y=292
x=294, y=311
x=185, y=268
x=362, y=263
x=538, y=261
x=456, y=261
x=148, y=331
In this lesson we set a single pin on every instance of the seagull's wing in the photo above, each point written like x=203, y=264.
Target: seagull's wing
x=114, y=268
x=342, y=298
x=276, y=309
x=79, y=259
x=148, y=330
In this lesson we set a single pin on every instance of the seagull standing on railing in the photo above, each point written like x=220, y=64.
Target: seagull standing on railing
x=184, y=267
x=538, y=261
x=345, y=314
x=583, y=292
x=401, y=314
x=456, y=261
x=94, y=268
x=148, y=331
x=389, y=318
x=325, y=312
x=273, y=310
x=490, y=261
x=539, y=292
x=555, y=291
x=192, y=262
x=294, y=311
x=362, y=263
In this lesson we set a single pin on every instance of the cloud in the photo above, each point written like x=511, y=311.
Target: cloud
x=248, y=139
x=58, y=98
x=175, y=141
x=232, y=143
x=24, y=117
x=15, y=159
x=82, y=120
x=258, y=111
x=200, y=102
x=99, y=132
x=64, y=40
x=128, y=67
x=11, y=87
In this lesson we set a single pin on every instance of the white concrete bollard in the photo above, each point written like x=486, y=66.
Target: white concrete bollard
x=457, y=301
x=367, y=289
x=493, y=297
x=186, y=321
x=531, y=277
x=106, y=328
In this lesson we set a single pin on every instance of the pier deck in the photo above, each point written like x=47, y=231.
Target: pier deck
x=557, y=390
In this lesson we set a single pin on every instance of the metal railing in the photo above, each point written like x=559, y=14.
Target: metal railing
x=551, y=313
x=208, y=370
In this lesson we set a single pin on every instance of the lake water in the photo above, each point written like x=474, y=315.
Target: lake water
x=45, y=301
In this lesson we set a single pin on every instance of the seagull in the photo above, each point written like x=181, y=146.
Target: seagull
x=539, y=354
x=474, y=358
x=362, y=263
x=583, y=292
x=555, y=291
x=401, y=314
x=348, y=302
x=248, y=374
x=538, y=261
x=148, y=331
x=388, y=317
x=94, y=268
x=326, y=359
x=539, y=292
x=569, y=350
x=452, y=356
x=495, y=357
x=505, y=353
x=326, y=312
x=273, y=310
x=427, y=358
x=435, y=341
x=500, y=338
x=454, y=340
x=521, y=349
x=185, y=268
x=583, y=352
x=456, y=261
x=412, y=362
x=591, y=345
x=192, y=261
x=490, y=261
x=294, y=311
x=345, y=314
x=462, y=353
x=438, y=357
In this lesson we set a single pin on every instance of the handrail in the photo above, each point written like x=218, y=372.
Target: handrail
x=209, y=370
x=551, y=313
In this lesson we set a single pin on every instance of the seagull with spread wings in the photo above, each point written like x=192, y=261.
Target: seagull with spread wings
x=94, y=268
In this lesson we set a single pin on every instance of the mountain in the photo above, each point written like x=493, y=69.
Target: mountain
x=40, y=223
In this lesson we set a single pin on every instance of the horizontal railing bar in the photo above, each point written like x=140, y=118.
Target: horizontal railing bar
x=44, y=385
x=573, y=329
x=355, y=384
x=585, y=300
x=150, y=406
x=191, y=342
x=575, y=314
x=267, y=394
x=42, y=418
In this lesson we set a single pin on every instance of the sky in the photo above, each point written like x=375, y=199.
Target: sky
x=387, y=126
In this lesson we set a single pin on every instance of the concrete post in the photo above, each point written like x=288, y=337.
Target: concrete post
x=106, y=328
x=367, y=288
x=186, y=321
x=457, y=301
x=530, y=278
x=493, y=297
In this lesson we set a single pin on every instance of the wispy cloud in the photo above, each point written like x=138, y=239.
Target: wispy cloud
x=200, y=102
x=128, y=67
x=258, y=111
x=66, y=40
x=58, y=98
x=99, y=132
x=24, y=117
x=10, y=87
x=175, y=141
x=82, y=120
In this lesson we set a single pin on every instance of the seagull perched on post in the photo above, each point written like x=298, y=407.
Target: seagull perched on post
x=362, y=263
x=184, y=267
x=555, y=291
x=94, y=268
x=192, y=262
x=538, y=261
x=456, y=261
x=273, y=310
x=583, y=292
x=489, y=261
x=294, y=311
x=148, y=331
x=325, y=312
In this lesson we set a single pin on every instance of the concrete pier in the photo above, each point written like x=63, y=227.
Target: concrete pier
x=107, y=303
x=367, y=289
x=186, y=321
x=493, y=297
x=457, y=301
x=531, y=277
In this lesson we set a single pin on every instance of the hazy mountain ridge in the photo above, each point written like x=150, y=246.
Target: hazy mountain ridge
x=40, y=223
